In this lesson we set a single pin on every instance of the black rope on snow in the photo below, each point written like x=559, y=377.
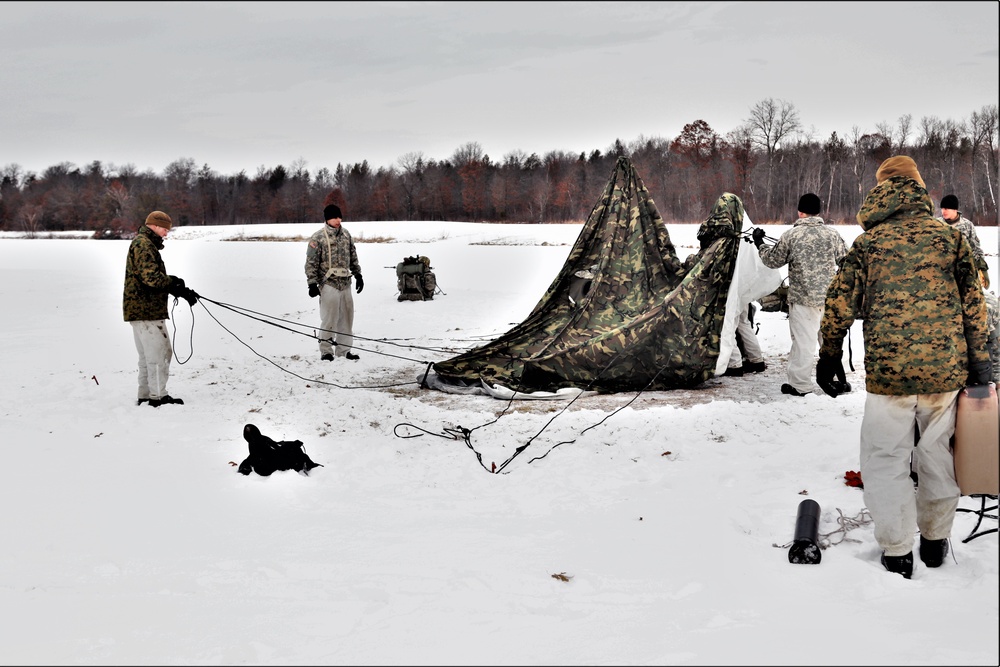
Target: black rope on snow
x=447, y=433
x=606, y=417
x=451, y=433
x=292, y=373
x=239, y=310
x=243, y=311
x=173, y=342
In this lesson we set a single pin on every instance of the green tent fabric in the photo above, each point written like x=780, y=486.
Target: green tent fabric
x=623, y=314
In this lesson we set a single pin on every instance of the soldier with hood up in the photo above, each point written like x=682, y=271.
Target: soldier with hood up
x=915, y=284
x=726, y=220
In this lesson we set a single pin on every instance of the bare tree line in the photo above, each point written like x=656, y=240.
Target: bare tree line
x=769, y=160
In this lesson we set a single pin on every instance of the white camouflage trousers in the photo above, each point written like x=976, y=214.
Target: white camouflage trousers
x=153, y=345
x=888, y=430
x=336, y=311
x=750, y=343
x=803, y=325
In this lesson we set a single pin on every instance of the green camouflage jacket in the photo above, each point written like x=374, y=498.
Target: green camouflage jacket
x=146, y=279
x=811, y=250
x=913, y=280
x=331, y=251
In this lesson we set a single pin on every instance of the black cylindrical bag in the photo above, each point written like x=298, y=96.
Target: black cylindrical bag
x=805, y=543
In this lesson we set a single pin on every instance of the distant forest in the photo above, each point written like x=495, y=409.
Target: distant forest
x=769, y=161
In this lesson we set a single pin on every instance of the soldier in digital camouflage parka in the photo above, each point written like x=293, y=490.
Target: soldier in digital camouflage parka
x=812, y=251
x=914, y=283
x=331, y=260
x=951, y=215
x=144, y=306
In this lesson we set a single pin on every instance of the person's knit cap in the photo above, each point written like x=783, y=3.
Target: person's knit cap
x=809, y=204
x=949, y=201
x=899, y=165
x=160, y=219
x=331, y=211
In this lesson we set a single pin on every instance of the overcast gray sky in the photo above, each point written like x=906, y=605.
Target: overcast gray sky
x=240, y=85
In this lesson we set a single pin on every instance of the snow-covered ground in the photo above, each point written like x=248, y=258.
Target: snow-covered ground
x=655, y=537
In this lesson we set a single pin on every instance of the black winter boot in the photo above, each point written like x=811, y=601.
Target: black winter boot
x=932, y=552
x=899, y=564
x=166, y=400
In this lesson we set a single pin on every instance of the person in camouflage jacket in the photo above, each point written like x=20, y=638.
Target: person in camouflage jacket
x=812, y=251
x=331, y=260
x=914, y=283
x=144, y=306
x=951, y=215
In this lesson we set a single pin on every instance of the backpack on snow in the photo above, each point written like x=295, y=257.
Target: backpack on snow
x=266, y=455
x=415, y=280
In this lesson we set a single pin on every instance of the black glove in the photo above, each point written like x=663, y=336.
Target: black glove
x=360, y=281
x=313, y=290
x=175, y=286
x=188, y=295
x=830, y=375
x=979, y=374
x=758, y=236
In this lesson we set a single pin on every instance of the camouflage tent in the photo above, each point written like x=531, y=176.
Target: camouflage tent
x=623, y=314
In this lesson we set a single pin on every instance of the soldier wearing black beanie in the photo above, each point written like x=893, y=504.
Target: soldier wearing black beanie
x=331, y=262
x=809, y=204
x=811, y=250
x=332, y=211
x=951, y=215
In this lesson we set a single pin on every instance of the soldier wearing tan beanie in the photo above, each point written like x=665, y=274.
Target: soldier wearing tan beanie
x=913, y=281
x=899, y=165
x=159, y=219
x=144, y=306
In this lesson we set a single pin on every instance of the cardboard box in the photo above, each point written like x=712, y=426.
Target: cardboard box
x=977, y=441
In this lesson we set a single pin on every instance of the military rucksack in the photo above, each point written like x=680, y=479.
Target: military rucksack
x=776, y=300
x=415, y=280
